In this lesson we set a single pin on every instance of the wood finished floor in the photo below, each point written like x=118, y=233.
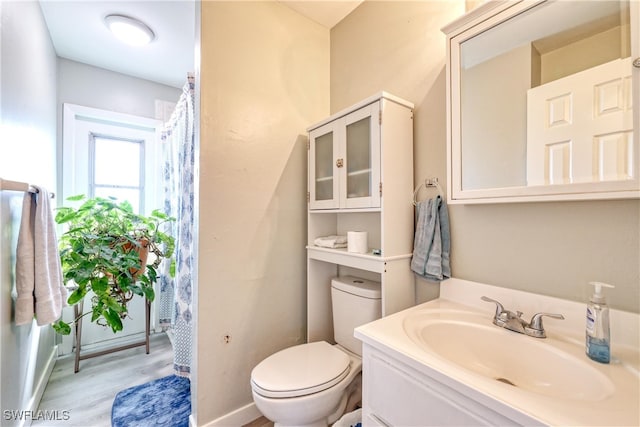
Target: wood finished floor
x=88, y=395
x=260, y=422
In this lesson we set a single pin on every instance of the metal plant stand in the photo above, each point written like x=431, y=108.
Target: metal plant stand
x=78, y=310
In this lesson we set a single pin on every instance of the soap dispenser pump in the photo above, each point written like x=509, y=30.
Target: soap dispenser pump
x=598, y=337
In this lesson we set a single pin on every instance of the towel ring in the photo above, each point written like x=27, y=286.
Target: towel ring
x=429, y=182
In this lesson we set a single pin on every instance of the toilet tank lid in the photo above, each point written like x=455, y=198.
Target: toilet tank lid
x=357, y=286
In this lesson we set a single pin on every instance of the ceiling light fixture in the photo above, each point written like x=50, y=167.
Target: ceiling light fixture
x=129, y=30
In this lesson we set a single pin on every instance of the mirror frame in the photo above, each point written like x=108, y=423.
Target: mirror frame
x=489, y=15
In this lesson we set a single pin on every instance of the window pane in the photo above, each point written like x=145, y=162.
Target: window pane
x=117, y=162
x=132, y=196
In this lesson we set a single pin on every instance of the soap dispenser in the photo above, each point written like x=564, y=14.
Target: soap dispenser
x=598, y=335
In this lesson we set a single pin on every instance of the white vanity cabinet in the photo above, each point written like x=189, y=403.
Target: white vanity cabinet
x=361, y=179
x=398, y=394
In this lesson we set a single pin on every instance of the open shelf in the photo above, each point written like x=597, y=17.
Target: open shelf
x=368, y=261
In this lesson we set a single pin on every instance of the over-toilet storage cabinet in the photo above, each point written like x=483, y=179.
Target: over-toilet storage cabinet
x=361, y=179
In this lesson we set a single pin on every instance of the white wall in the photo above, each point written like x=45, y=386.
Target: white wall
x=549, y=248
x=264, y=79
x=95, y=87
x=27, y=153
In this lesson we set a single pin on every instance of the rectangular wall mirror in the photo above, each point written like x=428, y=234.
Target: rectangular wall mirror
x=541, y=101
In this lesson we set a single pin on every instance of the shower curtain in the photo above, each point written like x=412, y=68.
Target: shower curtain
x=178, y=183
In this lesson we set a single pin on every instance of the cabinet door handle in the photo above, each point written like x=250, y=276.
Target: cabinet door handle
x=339, y=163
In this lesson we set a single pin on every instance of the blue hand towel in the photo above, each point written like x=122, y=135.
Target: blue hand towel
x=432, y=241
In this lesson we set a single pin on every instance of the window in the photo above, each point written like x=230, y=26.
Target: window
x=116, y=169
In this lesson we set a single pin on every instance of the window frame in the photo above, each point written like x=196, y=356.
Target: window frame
x=76, y=165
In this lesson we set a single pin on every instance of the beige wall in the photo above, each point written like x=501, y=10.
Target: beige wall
x=397, y=46
x=264, y=79
x=584, y=54
x=549, y=248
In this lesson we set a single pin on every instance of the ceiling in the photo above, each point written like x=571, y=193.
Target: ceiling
x=325, y=12
x=78, y=33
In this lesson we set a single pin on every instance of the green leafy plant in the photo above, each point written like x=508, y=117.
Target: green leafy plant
x=104, y=250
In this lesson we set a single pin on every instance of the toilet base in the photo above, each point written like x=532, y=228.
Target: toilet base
x=349, y=399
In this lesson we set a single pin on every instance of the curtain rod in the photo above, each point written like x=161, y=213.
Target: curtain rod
x=6, y=184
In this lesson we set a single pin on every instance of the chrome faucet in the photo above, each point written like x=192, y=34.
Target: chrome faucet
x=514, y=321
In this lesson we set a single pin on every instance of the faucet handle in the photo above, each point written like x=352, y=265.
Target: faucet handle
x=535, y=328
x=499, y=307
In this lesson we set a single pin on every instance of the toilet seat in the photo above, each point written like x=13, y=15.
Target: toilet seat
x=300, y=370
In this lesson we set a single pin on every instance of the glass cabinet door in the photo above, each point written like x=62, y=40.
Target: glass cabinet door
x=323, y=185
x=359, y=159
x=324, y=167
x=344, y=161
x=362, y=158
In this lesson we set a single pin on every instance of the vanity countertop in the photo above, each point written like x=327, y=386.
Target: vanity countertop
x=617, y=402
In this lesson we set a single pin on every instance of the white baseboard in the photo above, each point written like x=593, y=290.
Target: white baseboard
x=239, y=417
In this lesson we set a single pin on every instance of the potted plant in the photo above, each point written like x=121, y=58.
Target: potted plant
x=104, y=250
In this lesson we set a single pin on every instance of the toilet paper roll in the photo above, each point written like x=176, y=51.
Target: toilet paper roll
x=357, y=242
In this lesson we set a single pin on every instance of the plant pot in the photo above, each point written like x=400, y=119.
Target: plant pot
x=143, y=253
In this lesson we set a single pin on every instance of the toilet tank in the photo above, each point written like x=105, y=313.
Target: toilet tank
x=355, y=302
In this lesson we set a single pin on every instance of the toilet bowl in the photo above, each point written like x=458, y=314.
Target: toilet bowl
x=306, y=395
x=314, y=384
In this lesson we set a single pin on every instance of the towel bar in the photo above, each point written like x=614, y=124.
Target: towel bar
x=6, y=184
x=428, y=182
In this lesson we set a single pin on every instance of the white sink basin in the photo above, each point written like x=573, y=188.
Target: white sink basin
x=540, y=366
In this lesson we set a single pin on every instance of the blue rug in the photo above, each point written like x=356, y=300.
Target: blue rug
x=162, y=402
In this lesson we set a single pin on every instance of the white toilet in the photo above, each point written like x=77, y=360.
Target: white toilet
x=314, y=384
